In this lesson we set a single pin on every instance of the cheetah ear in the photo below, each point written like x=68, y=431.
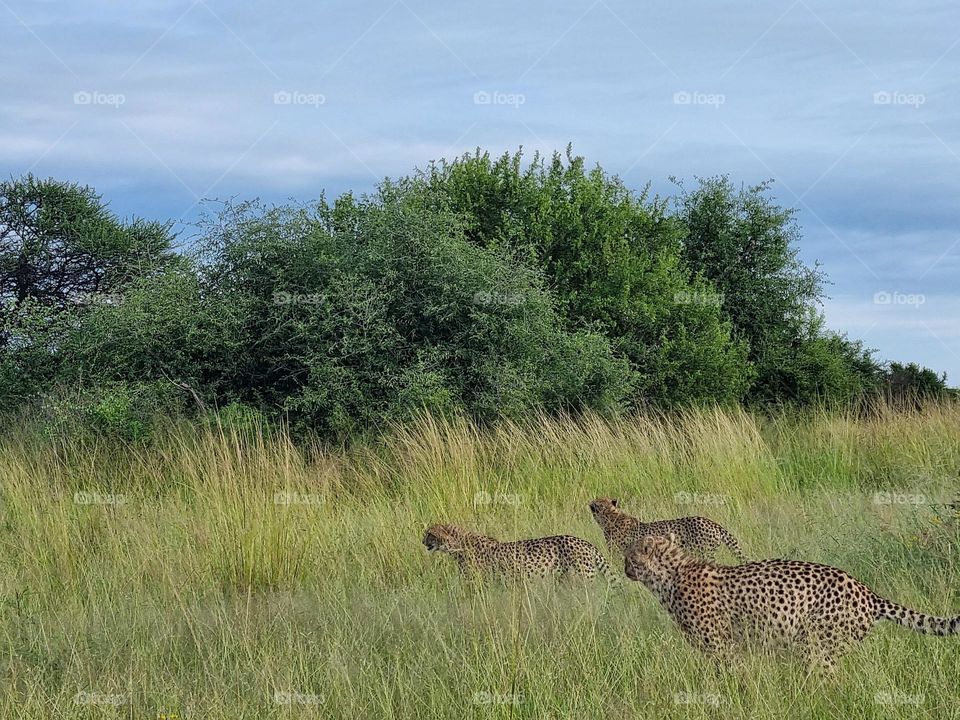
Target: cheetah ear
x=613, y=502
x=673, y=538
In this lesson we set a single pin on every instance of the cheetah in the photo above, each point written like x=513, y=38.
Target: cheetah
x=698, y=535
x=819, y=608
x=540, y=557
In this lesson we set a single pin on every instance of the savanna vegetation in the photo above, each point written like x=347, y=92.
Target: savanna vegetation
x=489, y=288
x=231, y=572
x=220, y=451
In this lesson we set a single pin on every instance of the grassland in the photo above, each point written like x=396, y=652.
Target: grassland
x=229, y=573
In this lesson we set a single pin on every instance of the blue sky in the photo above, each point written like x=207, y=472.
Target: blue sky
x=852, y=110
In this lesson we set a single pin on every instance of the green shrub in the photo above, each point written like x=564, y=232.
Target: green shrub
x=746, y=245
x=127, y=411
x=486, y=288
x=613, y=260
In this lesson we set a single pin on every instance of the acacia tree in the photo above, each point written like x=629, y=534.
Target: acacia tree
x=59, y=245
x=61, y=252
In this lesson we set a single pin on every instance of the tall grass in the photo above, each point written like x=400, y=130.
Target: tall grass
x=223, y=572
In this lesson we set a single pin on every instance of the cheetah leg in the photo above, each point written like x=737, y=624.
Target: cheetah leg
x=710, y=640
x=823, y=643
x=828, y=636
x=820, y=656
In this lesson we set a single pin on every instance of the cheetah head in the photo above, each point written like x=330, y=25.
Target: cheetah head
x=652, y=559
x=443, y=538
x=603, y=506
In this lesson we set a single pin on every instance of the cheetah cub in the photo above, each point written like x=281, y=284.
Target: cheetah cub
x=698, y=535
x=820, y=608
x=557, y=555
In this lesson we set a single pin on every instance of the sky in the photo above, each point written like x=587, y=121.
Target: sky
x=851, y=109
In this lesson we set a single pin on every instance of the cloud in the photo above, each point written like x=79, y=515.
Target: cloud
x=853, y=112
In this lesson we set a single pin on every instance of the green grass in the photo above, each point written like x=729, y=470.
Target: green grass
x=201, y=596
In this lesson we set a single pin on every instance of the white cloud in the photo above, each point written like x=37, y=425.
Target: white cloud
x=198, y=81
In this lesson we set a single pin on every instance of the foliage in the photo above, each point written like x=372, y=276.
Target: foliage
x=62, y=253
x=348, y=316
x=490, y=288
x=905, y=383
x=60, y=246
x=613, y=260
x=746, y=245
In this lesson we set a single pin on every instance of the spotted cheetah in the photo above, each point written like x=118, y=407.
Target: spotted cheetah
x=698, y=535
x=820, y=608
x=557, y=555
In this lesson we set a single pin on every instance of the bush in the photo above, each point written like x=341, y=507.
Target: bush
x=612, y=258
x=344, y=317
x=240, y=418
x=912, y=384
x=746, y=246
x=360, y=321
x=120, y=410
x=480, y=287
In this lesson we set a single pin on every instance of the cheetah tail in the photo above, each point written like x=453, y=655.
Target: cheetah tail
x=604, y=567
x=731, y=542
x=928, y=624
